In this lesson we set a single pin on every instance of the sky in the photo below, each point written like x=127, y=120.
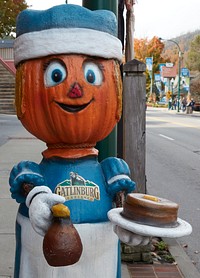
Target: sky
x=162, y=18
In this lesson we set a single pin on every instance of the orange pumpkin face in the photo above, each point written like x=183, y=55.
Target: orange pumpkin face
x=69, y=99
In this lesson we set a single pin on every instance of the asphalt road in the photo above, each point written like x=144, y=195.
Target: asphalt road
x=173, y=168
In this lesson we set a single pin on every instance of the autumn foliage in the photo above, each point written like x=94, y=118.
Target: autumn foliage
x=9, y=9
x=149, y=48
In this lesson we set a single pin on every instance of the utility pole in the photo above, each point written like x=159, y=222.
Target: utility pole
x=108, y=146
x=134, y=121
x=149, y=65
x=111, y=5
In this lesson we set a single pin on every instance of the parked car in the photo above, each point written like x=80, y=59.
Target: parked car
x=197, y=106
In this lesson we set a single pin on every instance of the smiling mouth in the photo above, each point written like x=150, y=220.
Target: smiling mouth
x=73, y=108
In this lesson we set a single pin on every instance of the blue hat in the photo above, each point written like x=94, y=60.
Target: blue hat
x=66, y=29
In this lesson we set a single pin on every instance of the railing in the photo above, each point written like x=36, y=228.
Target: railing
x=11, y=70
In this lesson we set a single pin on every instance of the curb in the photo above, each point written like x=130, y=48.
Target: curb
x=183, y=261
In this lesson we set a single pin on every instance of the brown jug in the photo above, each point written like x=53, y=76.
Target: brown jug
x=62, y=245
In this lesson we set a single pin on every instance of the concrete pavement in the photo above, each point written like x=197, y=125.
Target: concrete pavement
x=22, y=147
x=25, y=147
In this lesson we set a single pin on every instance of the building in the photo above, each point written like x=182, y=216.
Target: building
x=7, y=77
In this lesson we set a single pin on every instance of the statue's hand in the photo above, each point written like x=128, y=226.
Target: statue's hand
x=123, y=184
x=40, y=201
x=130, y=238
x=26, y=172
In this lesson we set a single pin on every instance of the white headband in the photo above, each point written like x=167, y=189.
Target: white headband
x=66, y=40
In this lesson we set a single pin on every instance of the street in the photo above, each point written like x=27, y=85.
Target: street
x=173, y=167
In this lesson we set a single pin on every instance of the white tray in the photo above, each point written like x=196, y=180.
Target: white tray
x=183, y=228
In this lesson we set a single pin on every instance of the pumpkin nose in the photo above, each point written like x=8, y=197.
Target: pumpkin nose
x=75, y=91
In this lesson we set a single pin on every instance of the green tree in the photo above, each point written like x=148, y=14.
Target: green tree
x=193, y=59
x=9, y=9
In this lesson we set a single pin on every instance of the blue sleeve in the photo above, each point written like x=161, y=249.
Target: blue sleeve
x=26, y=172
x=117, y=175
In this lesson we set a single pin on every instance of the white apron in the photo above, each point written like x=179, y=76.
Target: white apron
x=98, y=260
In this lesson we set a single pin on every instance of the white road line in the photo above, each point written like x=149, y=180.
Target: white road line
x=169, y=138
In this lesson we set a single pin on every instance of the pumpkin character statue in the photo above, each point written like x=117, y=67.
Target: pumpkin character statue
x=68, y=94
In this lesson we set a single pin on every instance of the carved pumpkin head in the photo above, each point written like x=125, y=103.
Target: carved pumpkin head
x=68, y=82
x=72, y=99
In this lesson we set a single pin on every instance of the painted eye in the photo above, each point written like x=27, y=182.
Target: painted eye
x=92, y=73
x=54, y=74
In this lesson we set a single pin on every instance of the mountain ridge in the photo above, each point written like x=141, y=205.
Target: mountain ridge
x=183, y=40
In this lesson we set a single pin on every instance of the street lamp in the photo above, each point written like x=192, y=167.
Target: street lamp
x=179, y=70
x=172, y=86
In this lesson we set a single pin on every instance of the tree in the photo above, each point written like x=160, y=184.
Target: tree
x=149, y=48
x=193, y=59
x=171, y=55
x=195, y=88
x=9, y=9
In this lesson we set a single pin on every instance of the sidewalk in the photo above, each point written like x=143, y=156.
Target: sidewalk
x=26, y=147
x=183, y=268
x=181, y=113
x=22, y=147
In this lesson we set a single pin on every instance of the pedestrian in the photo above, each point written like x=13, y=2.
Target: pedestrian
x=184, y=103
x=192, y=103
x=175, y=103
x=190, y=106
x=170, y=104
